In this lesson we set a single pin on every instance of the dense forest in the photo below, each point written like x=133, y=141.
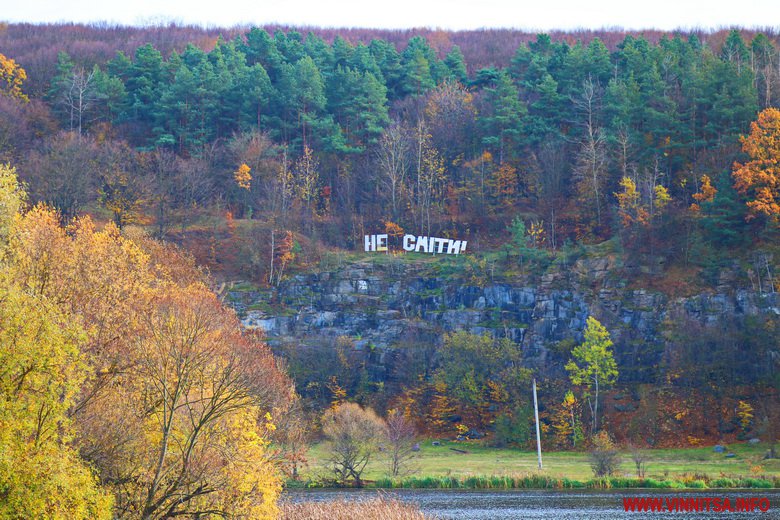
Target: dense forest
x=263, y=150
x=328, y=139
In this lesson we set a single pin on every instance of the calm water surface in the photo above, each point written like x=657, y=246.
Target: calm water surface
x=550, y=505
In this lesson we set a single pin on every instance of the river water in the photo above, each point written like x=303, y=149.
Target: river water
x=549, y=505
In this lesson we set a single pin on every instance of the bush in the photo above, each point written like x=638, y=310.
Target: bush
x=604, y=457
x=723, y=483
x=353, y=435
x=755, y=483
x=512, y=428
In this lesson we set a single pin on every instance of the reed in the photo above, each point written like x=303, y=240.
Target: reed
x=535, y=481
x=378, y=508
x=694, y=480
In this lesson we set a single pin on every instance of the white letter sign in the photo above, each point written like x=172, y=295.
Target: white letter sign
x=414, y=243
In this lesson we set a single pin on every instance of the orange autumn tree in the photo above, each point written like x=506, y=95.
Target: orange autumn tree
x=504, y=183
x=441, y=408
x=706, y=193
x=284, y=254
x=759, y=178
x=566, y=421
x=393, y=229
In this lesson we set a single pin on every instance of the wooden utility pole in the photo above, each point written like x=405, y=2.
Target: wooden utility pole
x=538, y=437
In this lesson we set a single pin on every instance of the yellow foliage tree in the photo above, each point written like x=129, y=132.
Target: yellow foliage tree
x=12, y=198
x=745, y=414
x=307, y=177
x=12, y=76
x=41, y=475
x=41, y=371
x=641, y=207
x=441, y=408
x=200, y=430
x=171, y=399
x=242, y=177
x=338, y=394
x=536, y=234
x=565, y=421
x=631, y=210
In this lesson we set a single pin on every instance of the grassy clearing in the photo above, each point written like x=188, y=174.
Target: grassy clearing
x=484, y=467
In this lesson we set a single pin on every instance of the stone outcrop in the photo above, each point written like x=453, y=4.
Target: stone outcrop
x=380, y=305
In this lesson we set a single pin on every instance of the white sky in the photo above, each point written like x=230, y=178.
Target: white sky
x=445, y=14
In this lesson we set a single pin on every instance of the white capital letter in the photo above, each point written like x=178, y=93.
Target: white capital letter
x=381, y=242
x=422, y=245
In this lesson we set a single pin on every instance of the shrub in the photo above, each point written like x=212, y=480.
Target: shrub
x=353, y=435
x=604, y=457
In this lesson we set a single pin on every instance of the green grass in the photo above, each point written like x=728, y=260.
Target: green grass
x=243, y=286
x=486, y=468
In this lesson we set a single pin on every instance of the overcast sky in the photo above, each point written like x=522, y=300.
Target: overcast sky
x=446, y=14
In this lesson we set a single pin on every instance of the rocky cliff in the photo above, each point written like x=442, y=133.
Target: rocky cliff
x=386, y=302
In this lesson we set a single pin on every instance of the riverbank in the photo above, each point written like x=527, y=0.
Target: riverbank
x=446, y=504
x=537, y=481
x=470, y=465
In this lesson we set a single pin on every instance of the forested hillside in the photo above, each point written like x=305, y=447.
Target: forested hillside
x=325, y=138
x=580, y=167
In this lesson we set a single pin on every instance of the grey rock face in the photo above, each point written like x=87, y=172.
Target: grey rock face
x=383, y=306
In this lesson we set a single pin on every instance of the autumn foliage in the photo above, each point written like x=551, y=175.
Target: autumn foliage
x=706, y=193
x=12, y=76
x=139, y=371
x=759, y=178
x=265, y=150
x=242, y=177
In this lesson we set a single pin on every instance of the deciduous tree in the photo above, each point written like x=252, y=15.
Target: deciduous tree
x=41, y=371
x=591, y=168
x=481, y=374
x=41, y=474
x=175, y=408
x=353, y=434
x=242, y=176
x=393, y=158
x=12, y=77
x=593, y=366
x=566, y=422
x=604, y=457
x=759, y=178
x=401, y=436
x=306, y=175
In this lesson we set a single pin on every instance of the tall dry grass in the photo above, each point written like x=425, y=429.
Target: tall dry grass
x=379, y=508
